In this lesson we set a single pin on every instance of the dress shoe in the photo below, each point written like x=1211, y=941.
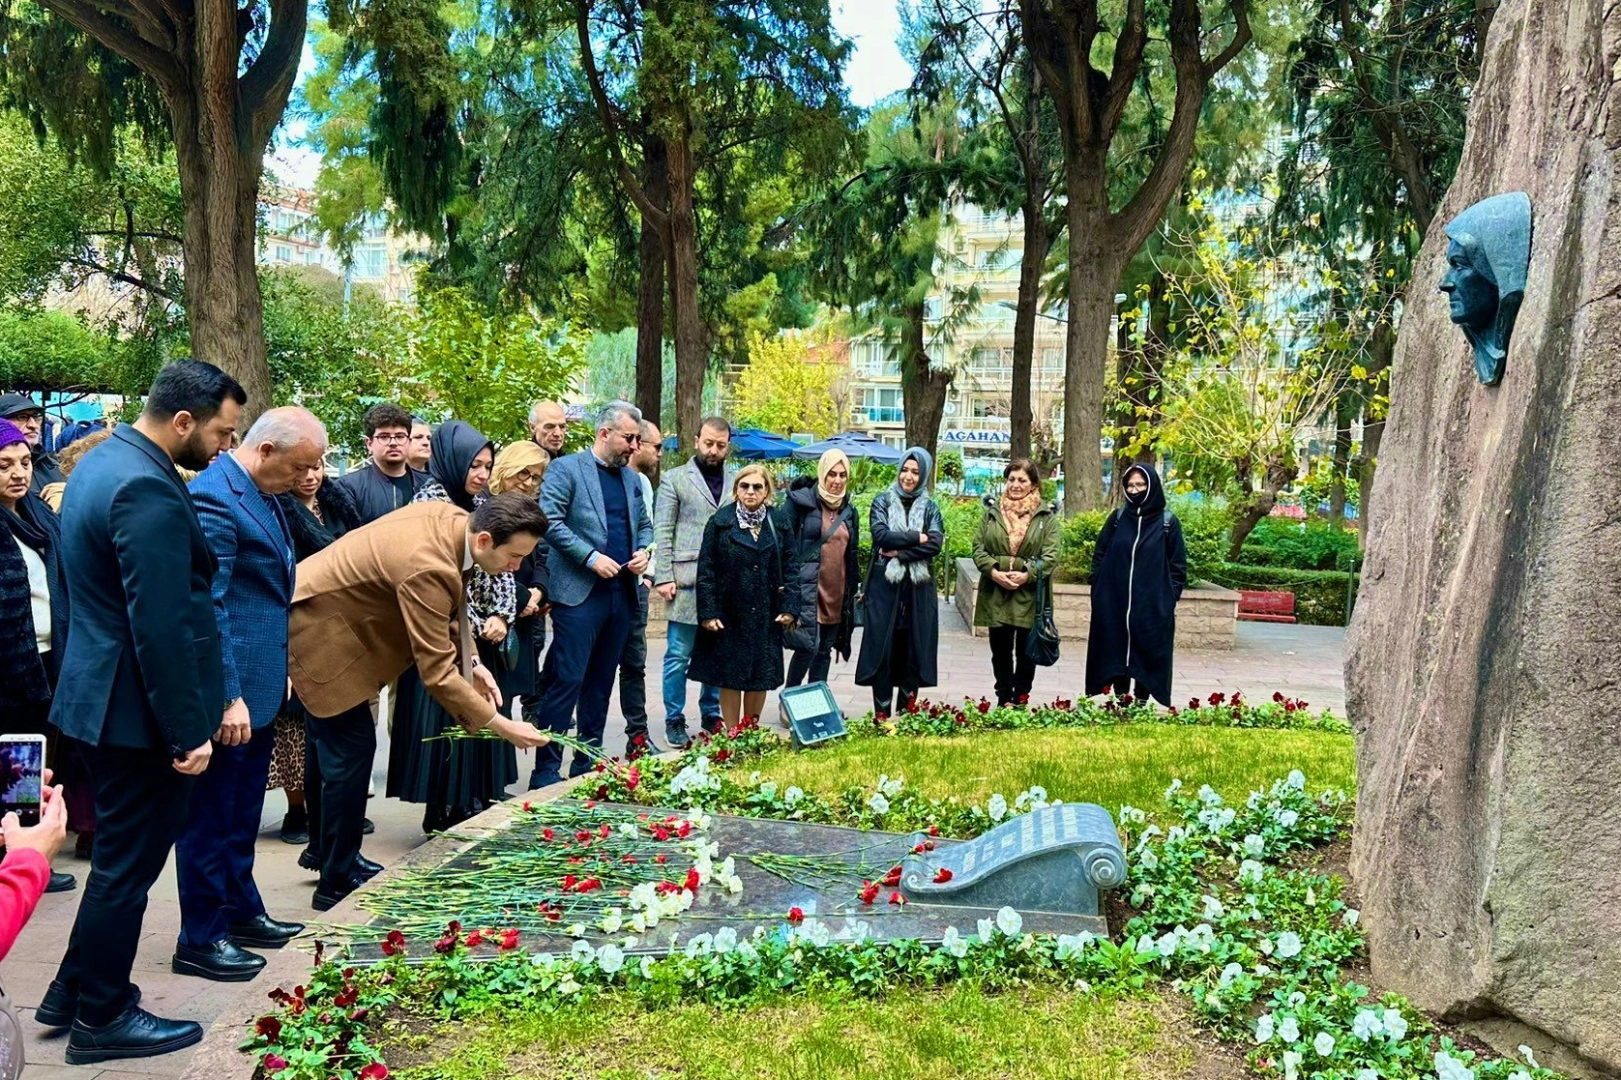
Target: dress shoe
x=365, y=869
x=309, y=860
x=62, y=882
x=366, y=827
x=329, y=896
x=265, y=933
x=223, y=961
x=135, y=1034
x=57, y=1008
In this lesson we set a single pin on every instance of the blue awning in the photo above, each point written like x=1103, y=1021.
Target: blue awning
x=855, y=444
x=753, y=444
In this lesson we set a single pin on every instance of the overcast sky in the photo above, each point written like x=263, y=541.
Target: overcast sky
x=876, y=69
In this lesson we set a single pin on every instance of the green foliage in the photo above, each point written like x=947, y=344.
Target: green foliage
x=51, y=350
x=787, y=388
x=1322, y=597
x=1317, y=486
x=485, y=368
x=1312, y=544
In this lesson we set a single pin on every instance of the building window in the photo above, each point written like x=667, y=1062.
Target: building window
x=371, y=262
x=283, y=253
x=880, y=405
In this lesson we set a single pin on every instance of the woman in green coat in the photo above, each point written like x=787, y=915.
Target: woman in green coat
x=1015, y=547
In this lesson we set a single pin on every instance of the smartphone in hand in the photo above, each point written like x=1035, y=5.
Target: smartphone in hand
x=22, y=776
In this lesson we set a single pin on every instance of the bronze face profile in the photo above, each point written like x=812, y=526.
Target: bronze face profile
x=1488, y=257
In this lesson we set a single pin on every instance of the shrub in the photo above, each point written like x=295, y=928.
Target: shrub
x=1320, y=595
x=1313, y=544
x=1204, y=532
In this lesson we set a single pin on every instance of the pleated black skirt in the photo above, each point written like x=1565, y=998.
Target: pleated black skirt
x=455, y=774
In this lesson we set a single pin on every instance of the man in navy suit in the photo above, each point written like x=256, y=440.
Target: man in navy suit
x=142, y=686
x=602, y=538
x=220, y=908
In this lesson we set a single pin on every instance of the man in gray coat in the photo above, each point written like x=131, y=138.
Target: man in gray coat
x=688, y=498
x=600, y=536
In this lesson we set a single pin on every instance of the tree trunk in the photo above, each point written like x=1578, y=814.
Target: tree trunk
x=691, y=359
x=1093, y=276
x=1258, y=504
x=1344, y=412
x=219, y=185
x=1024, y=320
x=923, y=386
x=650, y=290
x=1383, y=349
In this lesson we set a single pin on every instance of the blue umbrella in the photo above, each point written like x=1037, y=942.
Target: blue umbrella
x=753, y=444
x=855, y=444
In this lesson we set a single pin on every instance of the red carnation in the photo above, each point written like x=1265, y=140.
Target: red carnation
x=590, y=804
x=897, y=898
x=928, y=845
x=604, y=831
x=269, y=1027
x=528, y=806
x=691, y=884
x=941, y=876
x=547, y=834
x=917, y=849
x=934, y=830
x=475, y=939
x=583, y=836
x=893, y=878
x=569, y=881
x=661, y=858
x=796, y=916
x=870, y=892
x=588, y=885
x=509, y=940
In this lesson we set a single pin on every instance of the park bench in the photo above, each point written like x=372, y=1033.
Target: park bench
x=1278, y=607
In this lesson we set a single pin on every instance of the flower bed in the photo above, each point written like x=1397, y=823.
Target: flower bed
x=1220, y=915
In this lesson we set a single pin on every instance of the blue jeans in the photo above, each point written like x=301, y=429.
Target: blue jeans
x=214, y=856
x=679, y=638
x=580, y=669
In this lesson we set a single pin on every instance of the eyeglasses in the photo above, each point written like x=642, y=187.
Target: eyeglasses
x=655, y=445
x=751, y=487
x=390, y=439
x=527, y=477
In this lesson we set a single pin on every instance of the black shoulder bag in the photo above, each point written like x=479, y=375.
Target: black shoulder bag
x=1041, y=643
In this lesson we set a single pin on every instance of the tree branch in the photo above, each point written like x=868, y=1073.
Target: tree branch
x=1241, y=37
x=125, y=278
x=1128, y=61
x=265, y=86
x=123, y=40
x=657, y=216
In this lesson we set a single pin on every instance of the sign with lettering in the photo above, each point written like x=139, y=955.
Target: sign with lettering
x=1055, y=859
x=961, y=437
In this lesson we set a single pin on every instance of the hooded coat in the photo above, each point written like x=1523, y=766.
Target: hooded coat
x=799, y=522
x=1139, y=569
x=911, y=604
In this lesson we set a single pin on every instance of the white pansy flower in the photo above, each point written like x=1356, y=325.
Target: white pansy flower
x=985, y=930
x=1323, y=1044
x=1296, y=999
x=1208, y=796
x=700, y=945
x=1145, y=944
x=1250, y=872
x=1148, y=860
x=792, y=796
x=1166, y=946
x=996, y=807
x=725, y=940
x=568, y=985
x=816, y=932
x=1288, y=945
x=1367, y=1025
x=545, y=961
x=1296, y=780
x=954, y=943
x=610, y=959
x=613, y=921
x=1176, y=786
x=1010, y=922
x=1265, y=1028
x=1530, y=1058
x=1213, y=909
x=747, y=951
x=1289, y=1030
x=891, y=787
x=878, y=804
x=1448, y=1067
x=1130, y=815
x=1519, y=1074
x=1366, y=1074
x=1291, y=1064
x=577, y=930
x=1288, y=818
x=1395, y=1025
x=647, y=967
x=1228, y=974
x=1070, y=945
x=582, y=951
x=769, y=789
x=1255, y=845
x=1352, y=917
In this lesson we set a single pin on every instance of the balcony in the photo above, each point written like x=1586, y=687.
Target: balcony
x=878, y=414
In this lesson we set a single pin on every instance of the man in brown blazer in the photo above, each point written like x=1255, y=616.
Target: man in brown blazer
x=381, y=598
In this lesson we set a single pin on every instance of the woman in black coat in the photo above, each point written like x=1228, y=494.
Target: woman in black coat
x=740, y=600
x=821, y=533
x=32, y=578
x=1139, y=569
x=901, y=641
x=317, y=514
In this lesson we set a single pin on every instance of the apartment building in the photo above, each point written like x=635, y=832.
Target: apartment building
x=289, y=237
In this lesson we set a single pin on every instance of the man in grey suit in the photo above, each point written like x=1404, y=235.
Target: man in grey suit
x=688, y=498
x=601, y=538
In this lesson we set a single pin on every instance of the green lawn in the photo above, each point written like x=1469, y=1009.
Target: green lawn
x=1131, y=764
x=963, y=1033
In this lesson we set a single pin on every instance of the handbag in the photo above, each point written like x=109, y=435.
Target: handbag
x=858, y=616
x=1041, y=643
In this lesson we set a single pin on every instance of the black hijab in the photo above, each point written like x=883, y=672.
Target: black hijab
x=1151, y=503
x=455, y=444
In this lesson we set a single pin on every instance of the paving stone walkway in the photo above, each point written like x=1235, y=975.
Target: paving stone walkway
x=1302, y=661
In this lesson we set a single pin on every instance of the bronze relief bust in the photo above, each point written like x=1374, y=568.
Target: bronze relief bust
x=1488, y=257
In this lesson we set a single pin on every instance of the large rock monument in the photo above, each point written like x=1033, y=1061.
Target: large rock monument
x=1484, y=672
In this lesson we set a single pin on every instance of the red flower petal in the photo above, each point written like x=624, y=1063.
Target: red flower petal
x=941, y=876
x=896, y=898
x=795, y=916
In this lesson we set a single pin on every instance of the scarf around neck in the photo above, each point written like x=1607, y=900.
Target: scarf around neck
x=903, y=518
x=1016, y=517
x=752, y=519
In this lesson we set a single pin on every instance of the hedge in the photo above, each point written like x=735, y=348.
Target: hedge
x=1320, y=595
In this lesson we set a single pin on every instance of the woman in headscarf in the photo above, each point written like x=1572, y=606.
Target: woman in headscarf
x=1015, y=547
x=521, y=467
x=317, y=514
x=455, y=777
x=1138, y=571
x=740, y=600
x=902, y=635
x=820, y=534
x=34, y=623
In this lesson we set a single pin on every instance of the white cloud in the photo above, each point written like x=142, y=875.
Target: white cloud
x=876, y=68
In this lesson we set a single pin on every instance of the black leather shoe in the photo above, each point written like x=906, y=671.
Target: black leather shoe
x=135, y=1034
x=265, y=933
x=61, y=882
x=309, y=860
x=366, y=827
x=222, y=961
x=57, y=1008
x=365, y=869
x=329, y=896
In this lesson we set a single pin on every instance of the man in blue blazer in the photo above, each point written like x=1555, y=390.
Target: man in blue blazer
x=601, y=537
x=220, y=908
x=142, y=686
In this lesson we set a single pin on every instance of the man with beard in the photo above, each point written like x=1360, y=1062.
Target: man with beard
x=688, y=498
x=601, y=539
x=142, y=685
x=548, y=423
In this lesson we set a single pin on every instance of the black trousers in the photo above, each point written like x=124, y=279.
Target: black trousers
x=1015, y=672
x=812, y=665
x=633, y=671
x=338, y=754
x=141, y=806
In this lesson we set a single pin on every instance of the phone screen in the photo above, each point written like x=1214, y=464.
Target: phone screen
x=22, y=774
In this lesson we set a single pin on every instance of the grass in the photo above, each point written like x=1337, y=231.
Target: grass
x=1130, y=765
x=963, y=1033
